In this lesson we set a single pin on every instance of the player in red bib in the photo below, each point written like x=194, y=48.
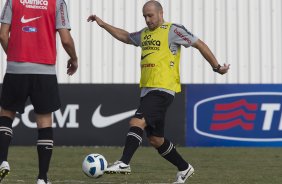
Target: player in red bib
x=28, y=37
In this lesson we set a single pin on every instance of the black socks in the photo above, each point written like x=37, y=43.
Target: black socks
x=133, y=141
x=6, y=134
x=168, y=151
x=44, y=150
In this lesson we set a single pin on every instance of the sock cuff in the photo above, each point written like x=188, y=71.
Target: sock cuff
x=136, y=132
x=47, y=143
x=165, y=148
x=7, y=131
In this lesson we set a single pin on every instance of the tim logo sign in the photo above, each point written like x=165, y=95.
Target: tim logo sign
x=234, y=115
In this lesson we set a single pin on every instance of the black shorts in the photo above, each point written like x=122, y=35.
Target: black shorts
x=41, y=89
x=153, y=108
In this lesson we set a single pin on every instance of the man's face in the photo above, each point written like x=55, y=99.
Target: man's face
x=153, y=17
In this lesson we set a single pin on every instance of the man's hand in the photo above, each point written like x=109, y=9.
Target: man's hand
x=72, y=66
x=93, y=18
x=223, y=69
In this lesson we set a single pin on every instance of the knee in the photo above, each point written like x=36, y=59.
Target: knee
x=156, y=142
x=43, y=120
x=7, y=113
x=135, y=122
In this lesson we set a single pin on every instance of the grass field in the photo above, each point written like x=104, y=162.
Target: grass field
x=212, y=166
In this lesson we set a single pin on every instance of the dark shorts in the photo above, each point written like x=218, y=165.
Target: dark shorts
x=153, y=108
x=41, y=89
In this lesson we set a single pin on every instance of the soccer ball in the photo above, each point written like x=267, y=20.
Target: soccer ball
x=94, y=165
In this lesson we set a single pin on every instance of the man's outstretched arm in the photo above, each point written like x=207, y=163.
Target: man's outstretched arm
x=117, y=33
x=208, y=55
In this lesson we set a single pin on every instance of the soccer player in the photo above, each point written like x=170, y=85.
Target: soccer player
x=160, y=42
x=28, y=37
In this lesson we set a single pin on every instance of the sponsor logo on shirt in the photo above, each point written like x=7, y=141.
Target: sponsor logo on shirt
x=164, y=27
x=25, y=20
x=144, y=56
x=35, y=4
x=29, y=29
x=182, y=36
x=150, y=44
x=62, y=12
x=149, y=65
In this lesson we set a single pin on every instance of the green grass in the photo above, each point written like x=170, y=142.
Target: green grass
x=212, y=166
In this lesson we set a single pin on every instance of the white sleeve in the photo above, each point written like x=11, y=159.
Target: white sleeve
x=62, y=18
x=179, y=35
x=6, y=16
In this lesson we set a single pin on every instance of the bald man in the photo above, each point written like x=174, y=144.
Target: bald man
x=161, y=45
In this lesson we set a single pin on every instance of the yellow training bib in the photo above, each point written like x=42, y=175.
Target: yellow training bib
x=159, y=66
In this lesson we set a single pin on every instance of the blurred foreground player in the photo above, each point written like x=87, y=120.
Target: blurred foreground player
x=28, y=37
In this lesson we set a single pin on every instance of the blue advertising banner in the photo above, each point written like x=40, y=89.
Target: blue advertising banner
x=234, y=115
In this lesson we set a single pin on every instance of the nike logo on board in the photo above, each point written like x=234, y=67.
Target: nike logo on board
x=100, y=121
x=23, y=20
